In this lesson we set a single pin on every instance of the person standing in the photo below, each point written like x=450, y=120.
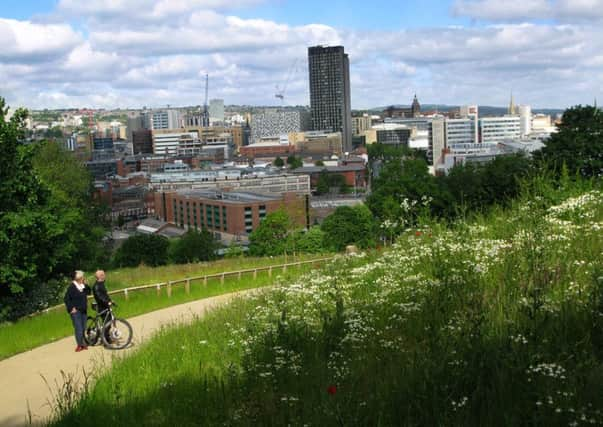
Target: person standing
x=99, y=290
x=76, y=302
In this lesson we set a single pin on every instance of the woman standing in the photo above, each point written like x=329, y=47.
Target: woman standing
x=76, y=302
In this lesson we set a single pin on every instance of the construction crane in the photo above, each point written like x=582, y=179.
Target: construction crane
x=205, y=117
x=280, y=92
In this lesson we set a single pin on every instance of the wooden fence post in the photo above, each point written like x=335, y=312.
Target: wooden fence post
x=270, y=272
x=284, y=268
x=158, y=289
x=205, y=281
x=169, y=289
x=222, y=279
x=255, y=274
x=239, y=276
x=187, y=286
x=126, y=293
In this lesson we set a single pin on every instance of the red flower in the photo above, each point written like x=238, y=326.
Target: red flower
x=418, y=233
x=332, y=389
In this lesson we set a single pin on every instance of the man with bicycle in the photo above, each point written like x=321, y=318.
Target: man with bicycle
x=99, y=290
x=102, y=298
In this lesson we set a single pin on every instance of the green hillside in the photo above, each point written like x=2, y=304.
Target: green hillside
x=496, y=321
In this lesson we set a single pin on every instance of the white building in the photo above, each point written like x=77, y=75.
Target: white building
x=525, y=120
x=461, y=131
x=170, y=144
x=495, y=129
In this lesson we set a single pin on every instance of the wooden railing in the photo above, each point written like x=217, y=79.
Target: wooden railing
x=204, y=278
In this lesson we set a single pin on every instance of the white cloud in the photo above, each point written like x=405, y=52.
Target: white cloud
x=154, y=52
x=32, y=42
x=515, y=10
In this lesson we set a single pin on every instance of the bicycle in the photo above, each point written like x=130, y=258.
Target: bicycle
x=115, y=333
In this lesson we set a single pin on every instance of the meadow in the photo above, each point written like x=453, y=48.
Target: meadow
x=491, y=321
x=31, y=332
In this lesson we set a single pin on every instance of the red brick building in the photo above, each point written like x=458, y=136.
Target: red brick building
x=234, y=213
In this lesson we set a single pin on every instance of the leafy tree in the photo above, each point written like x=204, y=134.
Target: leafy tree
x=148, y=249
x=578, y=144
x=194, y=246
x=311, y=241
x=294, y=162
x=349, y=225
x=319, y=163
x=331, y=182
x=270, y=238
x=70, y=186
x=33, y=241
x=278, y=162
x=403, y=180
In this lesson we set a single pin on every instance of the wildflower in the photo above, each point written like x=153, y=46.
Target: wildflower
x=418, y=233
x=332, y=389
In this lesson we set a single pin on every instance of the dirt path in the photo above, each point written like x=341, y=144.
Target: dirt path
x=26, y=377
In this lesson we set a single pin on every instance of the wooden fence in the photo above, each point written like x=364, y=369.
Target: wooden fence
x=271, y=269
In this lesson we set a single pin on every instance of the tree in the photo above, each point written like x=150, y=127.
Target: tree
x=33, y=242
x=270, y=238
x=319, y=163
x=403, y=180
x=578, y=144
x=71, y=185
x=294, y=162
x=349, y=225
x=194, y=246
x=311, y=241
x=148, y=249
x=278, y=162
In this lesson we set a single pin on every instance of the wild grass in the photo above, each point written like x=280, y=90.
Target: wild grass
x=491, y=322
x=31, y=332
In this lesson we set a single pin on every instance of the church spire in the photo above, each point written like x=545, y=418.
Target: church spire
x=511, y=105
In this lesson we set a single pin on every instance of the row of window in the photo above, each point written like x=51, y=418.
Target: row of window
x=215, y=216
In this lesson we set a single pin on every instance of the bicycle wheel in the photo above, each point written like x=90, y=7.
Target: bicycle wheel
x=117, y=334
x=91, y=334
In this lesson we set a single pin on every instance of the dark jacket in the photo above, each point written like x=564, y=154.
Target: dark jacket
x=75, y=298
x=101, y=296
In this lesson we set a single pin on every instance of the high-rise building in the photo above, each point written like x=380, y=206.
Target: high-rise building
x=330, y=101
x=135, y=122
x=216, y=111
x=461, y=131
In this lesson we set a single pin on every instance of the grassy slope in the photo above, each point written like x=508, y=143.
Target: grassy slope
x=32, y=332
x=497, y=322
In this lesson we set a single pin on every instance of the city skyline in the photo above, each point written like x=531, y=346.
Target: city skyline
x=117, y=53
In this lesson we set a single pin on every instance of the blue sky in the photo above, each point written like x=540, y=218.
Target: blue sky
x=129, y=53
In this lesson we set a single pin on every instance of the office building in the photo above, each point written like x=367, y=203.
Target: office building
x=272, y=123
x=361, y=124
x=495, y=129
x=142, y=141
x=163, y=119
x=389, y=134
x=135, y=122
x=216, y=111
x=461, y=131
x=235, y=213
x=330, y=102
x=168, y=143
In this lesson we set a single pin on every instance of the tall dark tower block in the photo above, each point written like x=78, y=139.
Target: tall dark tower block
x=330, y=102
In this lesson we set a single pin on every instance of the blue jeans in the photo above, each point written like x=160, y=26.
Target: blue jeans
x=79, y=325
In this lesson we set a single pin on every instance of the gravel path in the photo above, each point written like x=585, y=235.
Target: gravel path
x=28, y=381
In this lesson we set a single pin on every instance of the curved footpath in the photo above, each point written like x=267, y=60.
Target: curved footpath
x=28, y=381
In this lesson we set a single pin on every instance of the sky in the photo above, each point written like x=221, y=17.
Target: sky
x=153, y=53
